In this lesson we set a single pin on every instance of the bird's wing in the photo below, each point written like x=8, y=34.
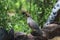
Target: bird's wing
x=34, y=25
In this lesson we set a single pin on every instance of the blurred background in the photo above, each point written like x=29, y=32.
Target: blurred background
x=11, y=16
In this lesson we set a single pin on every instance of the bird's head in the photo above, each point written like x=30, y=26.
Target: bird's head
x=25, y=13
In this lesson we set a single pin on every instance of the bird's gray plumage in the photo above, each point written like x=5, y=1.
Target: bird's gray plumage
x=33, y=25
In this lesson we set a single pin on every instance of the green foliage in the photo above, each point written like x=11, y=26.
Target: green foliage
x=11, y=16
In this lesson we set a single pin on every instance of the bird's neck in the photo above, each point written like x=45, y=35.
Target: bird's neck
x=29, y=19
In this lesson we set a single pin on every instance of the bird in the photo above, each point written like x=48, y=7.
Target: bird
x=55, y=14
x=32, y=24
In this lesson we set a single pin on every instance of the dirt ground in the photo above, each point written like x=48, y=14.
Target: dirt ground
x=55, y=38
